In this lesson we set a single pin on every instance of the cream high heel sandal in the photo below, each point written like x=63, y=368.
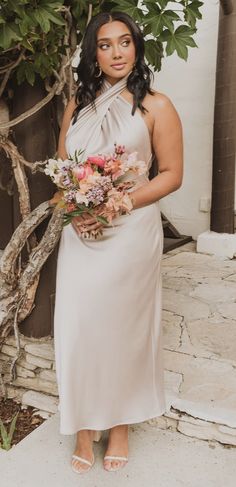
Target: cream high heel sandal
x=96, y=437
x=115, y=457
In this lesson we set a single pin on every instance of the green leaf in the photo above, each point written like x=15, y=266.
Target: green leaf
x=66, y=221
x=25, y=71
x=184, y=33
x=4, y=436
x=53, y=3
x=42, y=19
x=171, y=15
x=54, y=16
x=153, y=8
x=179, y=40
x=26, y=43
x=192, y=12
x=29, y=73
x=7, y=437
x=20, y=73
x=12, y=427
x=154, y=53
x=156, y=23
x=101, y=219
x=147, y=30
x=8, y=34
x=78, y=8
x=168, y=17
x=129, y=7
x=25, y=25
x=41, y=60
x=15, y=7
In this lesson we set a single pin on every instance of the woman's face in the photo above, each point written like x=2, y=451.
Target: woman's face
x=115, y=50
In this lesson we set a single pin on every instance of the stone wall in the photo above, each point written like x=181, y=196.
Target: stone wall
x=35, y=384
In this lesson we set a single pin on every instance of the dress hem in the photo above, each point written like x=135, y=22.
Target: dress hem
x=127, y=421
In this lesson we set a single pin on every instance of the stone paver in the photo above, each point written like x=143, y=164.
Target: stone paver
x=199, y=325
x=156, y=458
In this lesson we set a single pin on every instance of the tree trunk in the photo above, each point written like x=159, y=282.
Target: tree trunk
x=224, y=143
x=36, y=139
x=6, y=201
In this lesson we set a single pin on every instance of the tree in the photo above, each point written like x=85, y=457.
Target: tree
x=38, y=39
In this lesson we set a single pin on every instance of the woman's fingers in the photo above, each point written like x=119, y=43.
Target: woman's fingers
x=85, y=219
x=86, y=226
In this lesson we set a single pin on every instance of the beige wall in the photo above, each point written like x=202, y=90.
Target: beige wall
x=191, y=87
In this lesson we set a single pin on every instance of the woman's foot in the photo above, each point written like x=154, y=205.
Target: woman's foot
x=117, y=446
x=83, y=449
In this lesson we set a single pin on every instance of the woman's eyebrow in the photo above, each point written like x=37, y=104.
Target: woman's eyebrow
x=109, y=38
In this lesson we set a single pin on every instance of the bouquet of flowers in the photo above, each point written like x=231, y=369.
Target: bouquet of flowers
x=95, y=186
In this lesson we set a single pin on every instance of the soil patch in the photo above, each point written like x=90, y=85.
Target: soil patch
x=26, y=422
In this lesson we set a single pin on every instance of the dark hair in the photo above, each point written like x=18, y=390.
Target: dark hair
x=138, y=81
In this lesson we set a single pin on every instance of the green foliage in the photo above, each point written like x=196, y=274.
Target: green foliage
x=6, y=437
x=36, y=29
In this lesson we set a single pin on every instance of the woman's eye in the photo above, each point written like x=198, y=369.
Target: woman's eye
x=125, y=43
x=104, y=46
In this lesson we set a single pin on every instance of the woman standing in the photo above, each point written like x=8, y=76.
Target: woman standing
x=108, y=335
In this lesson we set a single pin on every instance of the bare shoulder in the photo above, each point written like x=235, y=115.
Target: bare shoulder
x=71, y=105
x=164, y=115
x=159, y=102
x=68, y=113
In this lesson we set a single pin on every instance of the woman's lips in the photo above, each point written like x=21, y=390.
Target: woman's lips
x=118, y=66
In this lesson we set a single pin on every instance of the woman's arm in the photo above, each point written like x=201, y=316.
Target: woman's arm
x=85, y=220
x=61, y=149
x=167, y=143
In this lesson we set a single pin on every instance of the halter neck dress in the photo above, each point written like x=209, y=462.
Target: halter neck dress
x=107, y=320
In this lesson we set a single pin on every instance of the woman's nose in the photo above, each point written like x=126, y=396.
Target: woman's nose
x=116, y=52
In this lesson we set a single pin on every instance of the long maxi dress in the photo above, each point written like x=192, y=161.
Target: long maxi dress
x=107, y=320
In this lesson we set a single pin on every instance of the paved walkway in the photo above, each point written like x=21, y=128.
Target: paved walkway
x=157, y=459
x=199, y=318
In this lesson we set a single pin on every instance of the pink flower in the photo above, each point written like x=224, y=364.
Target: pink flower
x=82, y=171
x=113, y=167
x=70, y=207
x=97, y=160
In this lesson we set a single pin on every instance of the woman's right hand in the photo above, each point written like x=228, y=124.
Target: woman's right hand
x=86, y=224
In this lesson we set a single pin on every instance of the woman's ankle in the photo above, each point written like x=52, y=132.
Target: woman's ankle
x=120, y=428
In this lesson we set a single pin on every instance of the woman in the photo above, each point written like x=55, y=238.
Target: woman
x=108, y=292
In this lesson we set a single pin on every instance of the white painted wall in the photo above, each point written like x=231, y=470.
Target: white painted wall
x=191, y=87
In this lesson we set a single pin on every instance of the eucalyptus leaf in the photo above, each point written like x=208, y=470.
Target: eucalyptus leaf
x=103, y=220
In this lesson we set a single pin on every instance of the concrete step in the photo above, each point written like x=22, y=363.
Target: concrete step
x=156, y=458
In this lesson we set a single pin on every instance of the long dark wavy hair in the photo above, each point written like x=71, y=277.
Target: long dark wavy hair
x=138, y=81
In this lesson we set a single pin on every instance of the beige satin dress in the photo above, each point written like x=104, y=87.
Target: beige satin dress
x=107, y=322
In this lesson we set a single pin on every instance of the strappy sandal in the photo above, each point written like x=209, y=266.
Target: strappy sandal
x=115, y=457
x=82, y=460
x=97, y=436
